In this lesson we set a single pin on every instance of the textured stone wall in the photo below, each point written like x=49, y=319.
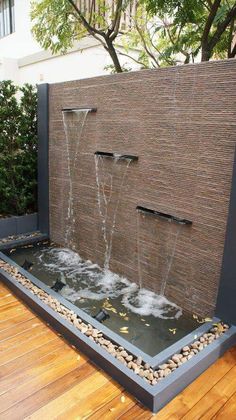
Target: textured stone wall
x=181, y=122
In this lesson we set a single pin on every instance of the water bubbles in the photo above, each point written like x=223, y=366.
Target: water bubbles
x=89, y=281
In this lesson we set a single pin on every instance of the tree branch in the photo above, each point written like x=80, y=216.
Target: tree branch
x=132, y=58
x=232, y=52
x=206, y=4
x=91, y=30
x=116, y=21
x=209, y=22
x=222, y=27
x=145, y=45
x=230, y=40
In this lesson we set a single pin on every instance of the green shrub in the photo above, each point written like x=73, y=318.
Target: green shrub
x=18, y=149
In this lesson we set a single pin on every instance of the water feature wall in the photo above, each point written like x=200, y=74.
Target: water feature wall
x=180, y=123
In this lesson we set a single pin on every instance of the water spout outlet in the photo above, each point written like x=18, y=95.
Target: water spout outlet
x=117, y=156
x=164, y=216
x=81, y=109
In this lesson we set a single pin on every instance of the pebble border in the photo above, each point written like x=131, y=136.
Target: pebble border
x=136, y=364
x=18, y=237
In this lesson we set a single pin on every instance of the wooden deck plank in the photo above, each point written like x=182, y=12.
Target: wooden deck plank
x=7, y=299
x=97, y=399
x=8, y=306
x=15, y=320
x=115, y=408
x=26, y=347
x=39, y=377
x=69, y=398
x=42, y=376
x=35, y=369
x=28, y=359
x=20, y=329
x=183, y=403
x=228, y=410
x=4, y=291
x=49, y=392
x=13, y=340
x=137, y=412
x=12, y=313
x=208, y=406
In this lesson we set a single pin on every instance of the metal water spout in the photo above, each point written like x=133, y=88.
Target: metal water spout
x=81, y=109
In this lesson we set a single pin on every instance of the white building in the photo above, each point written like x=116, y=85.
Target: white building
x=23, y=60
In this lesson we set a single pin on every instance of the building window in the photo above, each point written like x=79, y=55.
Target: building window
x=7, y=17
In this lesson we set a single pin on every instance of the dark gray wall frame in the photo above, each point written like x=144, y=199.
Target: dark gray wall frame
x=43, y=164
x=226, y=300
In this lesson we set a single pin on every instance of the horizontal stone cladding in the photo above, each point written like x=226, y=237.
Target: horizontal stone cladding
x=181, y=123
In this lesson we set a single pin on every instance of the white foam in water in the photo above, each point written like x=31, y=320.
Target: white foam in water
x=73, y=296
x=93, y=283
x=146, y=303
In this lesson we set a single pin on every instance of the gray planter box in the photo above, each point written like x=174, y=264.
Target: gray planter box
x=17, y=225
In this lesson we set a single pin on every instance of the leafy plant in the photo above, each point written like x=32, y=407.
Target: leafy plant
x=58, y=23
x=18, y=149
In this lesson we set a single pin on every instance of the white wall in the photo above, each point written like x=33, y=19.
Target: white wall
x=22, y=59
x=76, y=65
x=9, y=69
x=21, y=42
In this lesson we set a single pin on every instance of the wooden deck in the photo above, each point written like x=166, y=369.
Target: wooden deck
x=43, y=377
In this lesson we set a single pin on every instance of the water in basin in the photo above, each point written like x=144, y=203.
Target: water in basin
x=147, y=320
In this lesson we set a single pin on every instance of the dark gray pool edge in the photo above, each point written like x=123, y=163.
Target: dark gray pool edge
x=154, y=397
x=28, y=240
x=153, y=361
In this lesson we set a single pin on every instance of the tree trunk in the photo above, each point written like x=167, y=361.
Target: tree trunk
x=206, y=54
x=112, y=52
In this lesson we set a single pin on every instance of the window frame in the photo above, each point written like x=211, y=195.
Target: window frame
x=7, y=15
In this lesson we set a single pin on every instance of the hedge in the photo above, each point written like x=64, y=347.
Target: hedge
x=18, y=149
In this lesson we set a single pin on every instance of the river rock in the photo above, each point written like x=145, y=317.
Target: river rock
x=167, y=371
x=150, y=376
x=139, y=361
x=175, y=358
x=146, y=373
x=141, y=373
x=172, y=365
x=164, y=366
x=95, y=333
x=121, y=359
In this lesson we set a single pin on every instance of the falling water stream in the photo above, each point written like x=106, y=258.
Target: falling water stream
x=172, y=234
x=105, y=200
x=170, y=257
x=73, y=125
